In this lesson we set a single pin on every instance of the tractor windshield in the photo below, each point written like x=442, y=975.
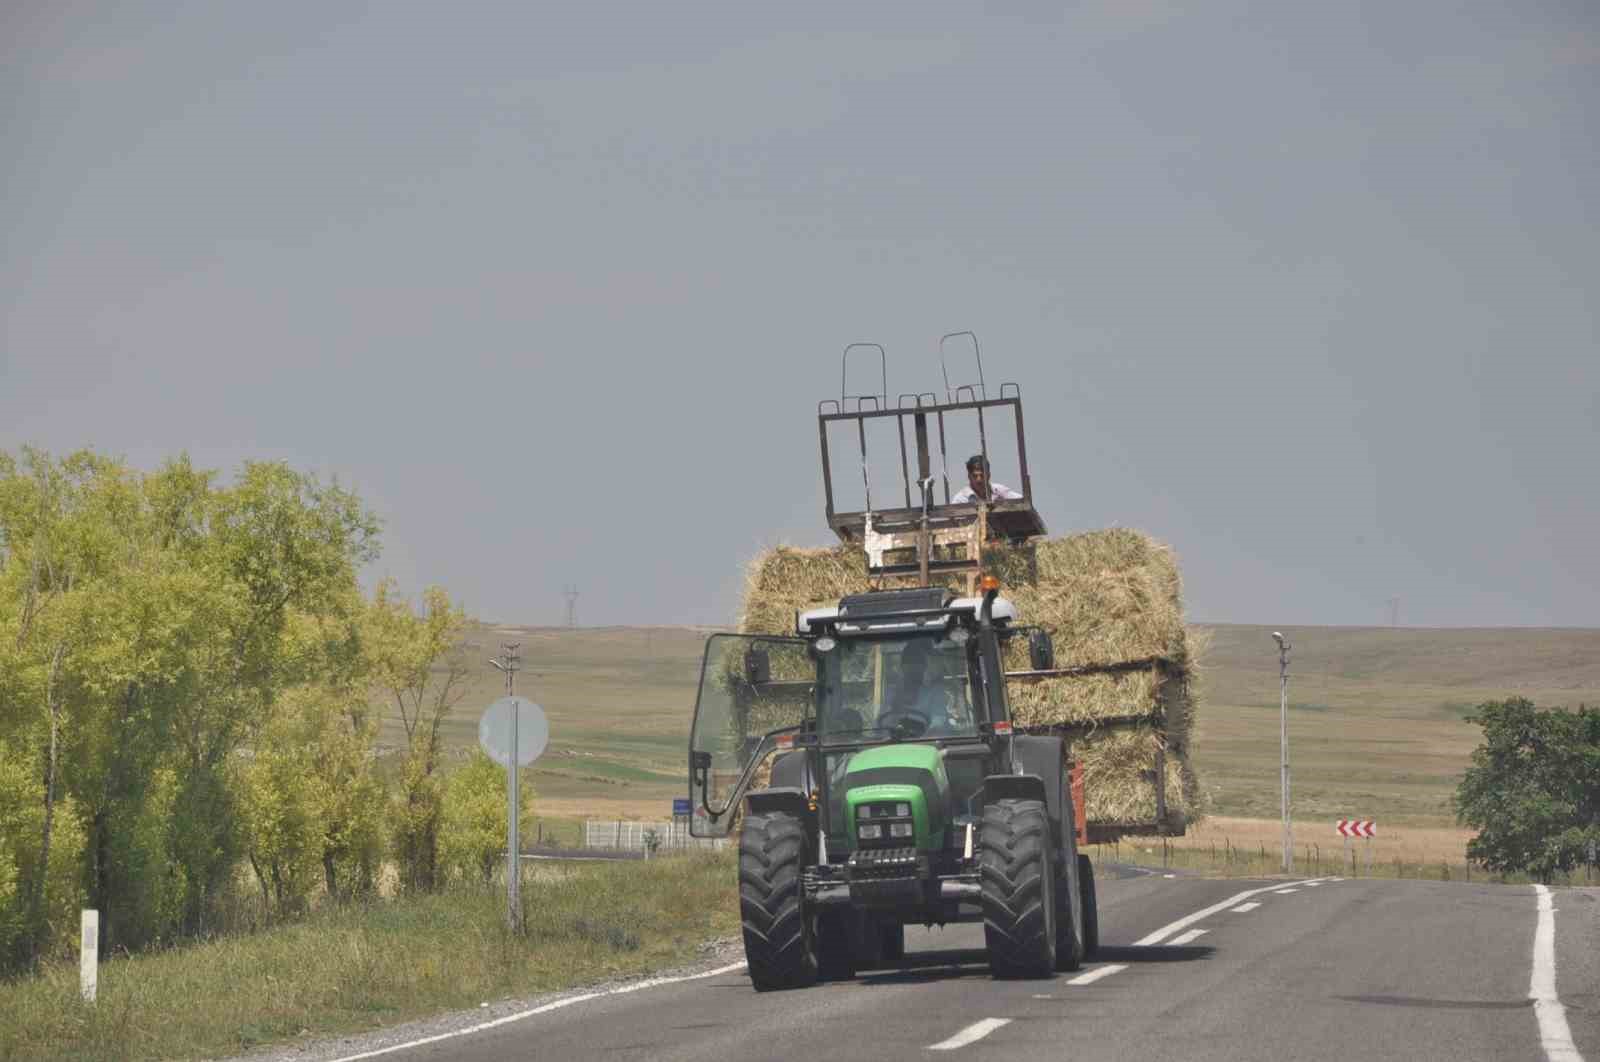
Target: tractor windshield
x=897, y=688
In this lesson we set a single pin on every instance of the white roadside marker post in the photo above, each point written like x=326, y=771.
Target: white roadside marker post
x=89, y=955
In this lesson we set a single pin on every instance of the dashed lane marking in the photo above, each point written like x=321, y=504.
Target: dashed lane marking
x=976, y=1031
x=1245, y=908
x=1283, y=892
x=1094, y=975
x=1188, y=938
x=1188, y=920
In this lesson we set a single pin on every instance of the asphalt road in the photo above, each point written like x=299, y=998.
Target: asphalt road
x=1338, y=970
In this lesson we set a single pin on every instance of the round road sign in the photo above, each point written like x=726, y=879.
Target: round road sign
x=494, y=730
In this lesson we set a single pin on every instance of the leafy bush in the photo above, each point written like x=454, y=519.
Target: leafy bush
x=472, y=836
x=1533, y=790
x=36, y=916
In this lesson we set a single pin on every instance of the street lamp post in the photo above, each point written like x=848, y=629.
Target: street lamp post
x=510, y=663
x=1283, y=747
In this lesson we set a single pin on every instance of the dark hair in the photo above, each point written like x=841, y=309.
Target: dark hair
x=977, y=461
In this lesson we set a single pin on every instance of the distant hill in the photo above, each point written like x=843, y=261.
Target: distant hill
x=1560, y=664
x=1377, y=714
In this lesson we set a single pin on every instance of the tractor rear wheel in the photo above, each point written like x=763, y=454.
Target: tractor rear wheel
x=780, y=943
x=1017, y=876
x=1091, y=911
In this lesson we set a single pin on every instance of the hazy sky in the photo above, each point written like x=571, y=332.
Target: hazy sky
x=1307, y=290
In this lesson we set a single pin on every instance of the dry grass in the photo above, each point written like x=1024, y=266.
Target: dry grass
x=1106, y=597
x=1377, y=716
x=1226, y=846
x=1413, y=844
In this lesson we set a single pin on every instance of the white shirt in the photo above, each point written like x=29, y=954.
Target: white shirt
x=997, y=492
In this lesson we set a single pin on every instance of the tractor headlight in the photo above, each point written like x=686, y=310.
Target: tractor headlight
x=899, y=829
x=869, y=832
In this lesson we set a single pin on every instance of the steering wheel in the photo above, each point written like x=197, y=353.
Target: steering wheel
x=906, y=723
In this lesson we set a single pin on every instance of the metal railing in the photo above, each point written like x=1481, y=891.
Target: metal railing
x=619, y=834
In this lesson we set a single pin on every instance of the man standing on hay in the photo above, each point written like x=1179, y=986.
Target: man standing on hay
x=978, y=485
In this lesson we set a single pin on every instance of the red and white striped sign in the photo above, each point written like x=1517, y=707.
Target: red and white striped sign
x=1357, y=828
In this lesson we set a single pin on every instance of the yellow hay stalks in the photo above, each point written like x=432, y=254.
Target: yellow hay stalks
x=1106, y=597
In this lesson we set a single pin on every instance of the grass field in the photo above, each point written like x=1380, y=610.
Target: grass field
x=1377, y=719
x=357, y=967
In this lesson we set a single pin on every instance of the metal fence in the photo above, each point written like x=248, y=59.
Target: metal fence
x=618, y=834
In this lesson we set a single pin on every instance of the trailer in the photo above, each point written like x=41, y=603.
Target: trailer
x=868, y=760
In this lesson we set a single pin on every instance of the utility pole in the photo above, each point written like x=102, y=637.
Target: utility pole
x=1283, y=746
x=571, y=594
x=1394, y=611
x=510, y=663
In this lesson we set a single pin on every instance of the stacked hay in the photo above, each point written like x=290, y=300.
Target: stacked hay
x=1108, y=598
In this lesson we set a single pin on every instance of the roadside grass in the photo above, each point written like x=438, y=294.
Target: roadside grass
x=350, y=969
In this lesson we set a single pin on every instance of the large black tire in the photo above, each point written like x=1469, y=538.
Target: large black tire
x=779, y=940
x=1091, y=910
x=1016, y=873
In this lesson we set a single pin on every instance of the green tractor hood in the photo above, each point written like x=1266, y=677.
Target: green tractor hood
x=908, y=774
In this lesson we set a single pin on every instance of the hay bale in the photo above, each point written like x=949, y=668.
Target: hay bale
x=1106, y=597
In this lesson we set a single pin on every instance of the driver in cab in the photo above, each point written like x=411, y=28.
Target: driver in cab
x=918, y=703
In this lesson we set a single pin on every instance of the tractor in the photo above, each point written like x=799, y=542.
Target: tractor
x=868, y=761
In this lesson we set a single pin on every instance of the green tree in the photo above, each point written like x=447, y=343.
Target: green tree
x=472, y=838
x=419, y=665
x=1533, y=790
x=147, y=638
x=62, y=533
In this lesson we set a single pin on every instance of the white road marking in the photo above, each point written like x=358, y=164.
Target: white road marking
x=1554, y=1035
x=1094, y=975
x=1164, y=875
x=1188, y=938
x=654, y=982
x=1188, y=920
x=976, y=1031
x=1283, y=892
x=1312, y=884
x=1245, y=908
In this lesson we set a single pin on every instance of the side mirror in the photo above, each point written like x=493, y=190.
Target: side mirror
x=757, y=666
x=1041, y=650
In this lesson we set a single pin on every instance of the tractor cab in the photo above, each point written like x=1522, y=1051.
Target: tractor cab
x=880, y=669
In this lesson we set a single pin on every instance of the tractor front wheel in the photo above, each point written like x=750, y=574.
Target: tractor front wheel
x=780, y=943
x=1017, y=876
